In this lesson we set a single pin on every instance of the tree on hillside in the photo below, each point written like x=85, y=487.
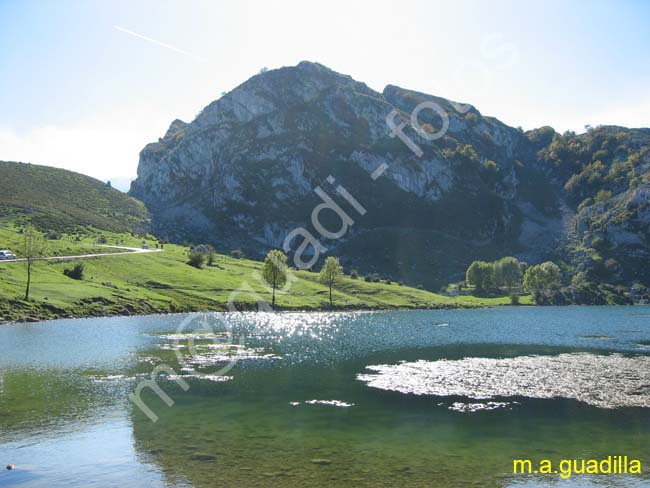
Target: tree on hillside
x=76, y=272
x=507, y=272
x=275, y=270
x=481, y=275
x=543, y=281
x=330, y=274
x=198, y=255
x=32, y=248
x=195, y=259
x=210, y=256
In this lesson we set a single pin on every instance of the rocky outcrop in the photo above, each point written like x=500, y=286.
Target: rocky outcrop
x=620, y=230
x=243, y=173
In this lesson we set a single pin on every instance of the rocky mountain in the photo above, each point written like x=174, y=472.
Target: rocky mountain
x=425, y=198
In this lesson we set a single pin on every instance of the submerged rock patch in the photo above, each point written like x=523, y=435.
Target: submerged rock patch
x=604, y=381
x=328, y=403
x=478, y=407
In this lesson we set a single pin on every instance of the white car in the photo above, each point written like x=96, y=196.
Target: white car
x=6, y=254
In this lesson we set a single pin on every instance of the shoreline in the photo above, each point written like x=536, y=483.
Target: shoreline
x=44, y=312
x=27, y=319
x=32, y=319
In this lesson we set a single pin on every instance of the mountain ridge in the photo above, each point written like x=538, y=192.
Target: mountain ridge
x=242, y=175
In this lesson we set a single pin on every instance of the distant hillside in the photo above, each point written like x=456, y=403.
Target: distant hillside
x=59, y=200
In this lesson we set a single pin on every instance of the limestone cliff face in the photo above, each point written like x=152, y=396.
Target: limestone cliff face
x=243, y=174
x=620, y=230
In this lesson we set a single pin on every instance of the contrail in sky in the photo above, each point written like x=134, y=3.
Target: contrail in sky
x=161, y=44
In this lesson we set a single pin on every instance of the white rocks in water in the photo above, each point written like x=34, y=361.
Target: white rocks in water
x=193, y=336
x=171, y=347
x=214, y=354
x=213, y=377
x=477, y=407
x=148, y=360
x=217, y=378
x=329, y=403
x=104, y=379
x=604, y=381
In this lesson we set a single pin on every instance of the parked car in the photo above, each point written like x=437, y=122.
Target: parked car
x=6, y=254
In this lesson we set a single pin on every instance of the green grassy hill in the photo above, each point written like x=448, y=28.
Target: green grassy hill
x=58, y=200
x=163, y=282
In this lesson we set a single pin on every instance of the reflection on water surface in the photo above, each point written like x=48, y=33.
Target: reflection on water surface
x=442, y=398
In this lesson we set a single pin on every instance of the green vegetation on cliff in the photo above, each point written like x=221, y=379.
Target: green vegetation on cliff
x=605, y=177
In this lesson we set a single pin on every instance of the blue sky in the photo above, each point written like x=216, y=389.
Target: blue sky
x=79, y=91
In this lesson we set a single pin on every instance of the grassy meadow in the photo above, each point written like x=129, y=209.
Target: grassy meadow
x=163, y=282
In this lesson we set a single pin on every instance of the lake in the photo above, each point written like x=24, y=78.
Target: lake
x=442, y=398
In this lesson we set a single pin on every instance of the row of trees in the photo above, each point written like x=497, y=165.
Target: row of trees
x=275, y=269
x=543, y=281
x=202, y=254
x=506, y=272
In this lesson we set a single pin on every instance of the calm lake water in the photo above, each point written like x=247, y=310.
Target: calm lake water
x=390, y=399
